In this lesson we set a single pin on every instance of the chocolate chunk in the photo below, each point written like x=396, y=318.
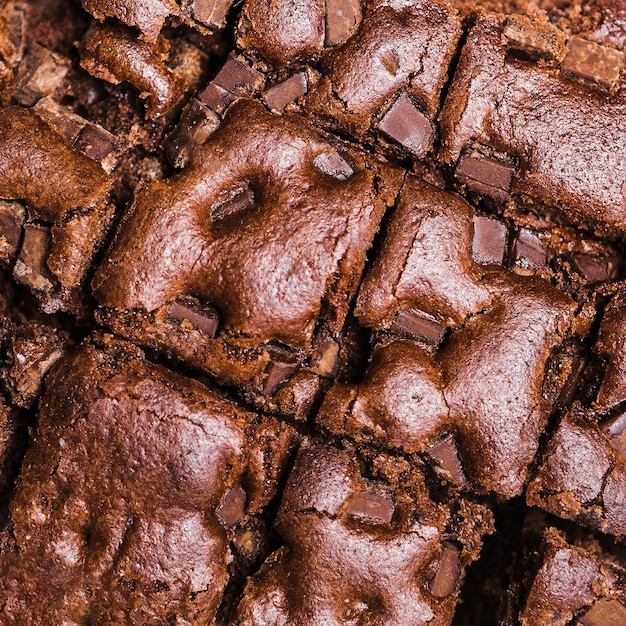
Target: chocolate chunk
x=95, y=142
x=576, y=366
x=31, y=268
x=233, y=506
x=490, y=241
x=596, y=268
x=202, y=317
x=333, y=164
x=197, y=123
x=211, y=13
x=326, y=361
x=241, y=200
x=615, y=431
x=407, y=125
x=282, y=94
x=63, y=119
x=529, y=254
x=238, y=78
x=370, y=507
x=532, y=39
x=604, y=613
x=12, y=216
x=216, y=98
x=342, y=19
x=445, y=581
x=445, y=454
x=41, y=74
x=417, y=325
x=592, y=63
x=485, y=175
x=279, y=368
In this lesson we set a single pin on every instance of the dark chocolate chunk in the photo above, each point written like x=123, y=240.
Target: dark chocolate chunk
x=615, y=432
x=576, y=366
x=534, y=40
x=211, y=13
x=282, y=94
x=417, y=325
x=95, y=142
x=592, y=63
x=529, y=253
x=233, y=506
x=217, y=98
x=445, y=454
x=197, y=123
x=342, y=20
x=596, y=268
x=374, y=508
x=333, y=164
x=445, y=581
x=238, y=78
x=279, y=368
x=202, y=317
x=485, y=175
x=407, y=125
x=40, y=74
x=63, y=119
x=241, y=200
x=490, y=241
x=604, y=613
x=326, y=361
x=12, y=216
x=31, y=268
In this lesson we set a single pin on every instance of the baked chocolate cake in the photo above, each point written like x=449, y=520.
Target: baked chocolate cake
x=312, y=312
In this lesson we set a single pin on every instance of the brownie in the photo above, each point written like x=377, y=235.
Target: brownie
x=532, y=117
x=363, y=544
x=136, y=482
x=244, y=264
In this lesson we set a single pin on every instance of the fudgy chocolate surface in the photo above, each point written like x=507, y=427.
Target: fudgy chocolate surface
x=396, y=226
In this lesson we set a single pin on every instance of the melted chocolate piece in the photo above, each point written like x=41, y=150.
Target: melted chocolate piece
x=342, y=19
x=485, y=175
x=233, y=506
x=445, y=455
x=407, y=125
x=592, y=63
x=288, y=91
x=446, y=580
x=596, y=268
x=242, y=199
x=615, y=432
x=417, y=325
x=12, y=217
x=202, y=317
x=490, y=243
x=333, y=164
x=279, y=368
x=371, y=507
x=607, y=612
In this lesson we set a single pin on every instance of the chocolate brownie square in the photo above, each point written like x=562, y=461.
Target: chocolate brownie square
x=130, y=494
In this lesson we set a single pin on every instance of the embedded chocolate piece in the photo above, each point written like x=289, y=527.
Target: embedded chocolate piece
x=278, y=370
x=31, y=268
x=485, y=175
x=445, y=454
x=592, y=63
x=95, y=142
x=62, y=118
x=289, y=91
x=333, y=164
x=407, y=125
x=211, y=13
x=604, y=613
x=113, y=53
x=615, y=431
x=197, y=123
x=12, y=217
x=596, y=268
x=446, y=580
x=241, y=200
x=371, y=507
x=348, y=558
x=143, y=528
x=41, y=73
x=490, y=243
x=202, y=317
x=233, y=506
x=533, y=39
x=326, y=360
x=146, y=15
x=216, y=98
x=238, y=77
x=343, y=17
x=417, y=325
x=528, y=252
